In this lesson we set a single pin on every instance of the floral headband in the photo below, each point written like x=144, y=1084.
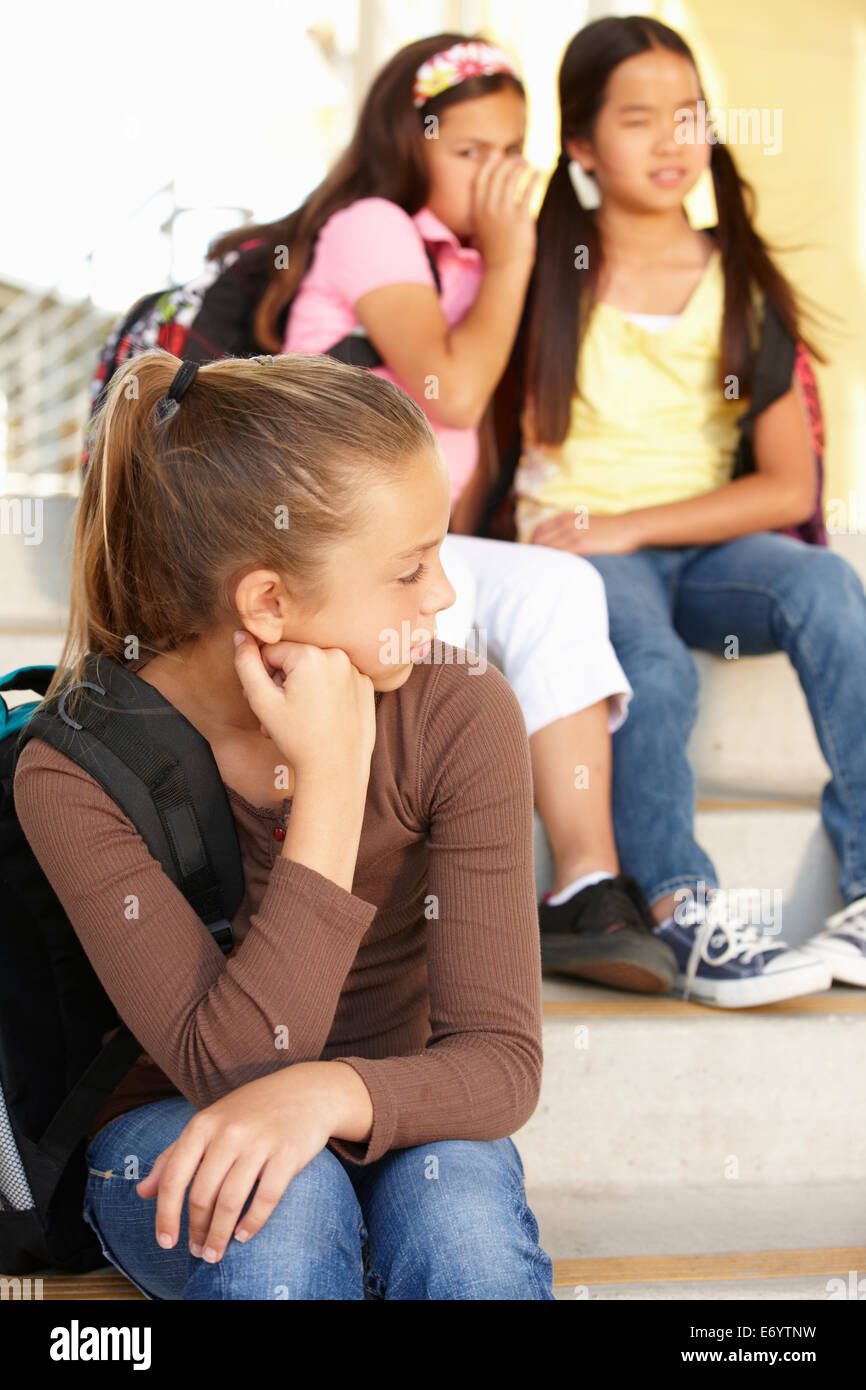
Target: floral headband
x=456, y=64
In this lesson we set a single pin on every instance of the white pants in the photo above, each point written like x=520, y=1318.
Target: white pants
x=540, y=615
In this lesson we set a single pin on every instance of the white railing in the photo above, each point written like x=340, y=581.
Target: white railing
x=50, y=343
x=49, y=348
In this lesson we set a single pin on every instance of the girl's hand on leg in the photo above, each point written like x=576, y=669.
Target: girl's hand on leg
x=583, y=534
x=265, y=1132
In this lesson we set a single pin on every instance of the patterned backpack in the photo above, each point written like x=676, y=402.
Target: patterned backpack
x=209, y=317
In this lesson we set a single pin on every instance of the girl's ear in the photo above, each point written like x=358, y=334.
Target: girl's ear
x=581, y=150
x=262, y=604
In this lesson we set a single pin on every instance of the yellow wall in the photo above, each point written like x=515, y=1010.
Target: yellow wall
x=808, y=59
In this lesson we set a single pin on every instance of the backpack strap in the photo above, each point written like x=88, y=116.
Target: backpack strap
x=106, y=1071
x=772, y=376
x=778, y=360
x=355, y=348
x=162, y=774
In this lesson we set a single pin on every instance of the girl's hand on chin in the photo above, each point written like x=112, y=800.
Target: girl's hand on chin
x=318, y=708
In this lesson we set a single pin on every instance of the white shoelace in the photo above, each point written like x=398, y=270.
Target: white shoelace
x=743, y=940
x=851, y=921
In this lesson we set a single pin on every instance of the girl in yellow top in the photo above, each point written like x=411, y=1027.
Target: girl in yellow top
x=640, y=345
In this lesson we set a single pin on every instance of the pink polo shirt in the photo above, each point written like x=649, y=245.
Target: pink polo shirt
x=374, y=243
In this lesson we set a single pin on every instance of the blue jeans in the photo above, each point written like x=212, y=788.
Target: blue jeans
x=775, y=594
x=441, y=1221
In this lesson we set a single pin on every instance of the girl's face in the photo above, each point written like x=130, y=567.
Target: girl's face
x=467, y=133
x=386, y=583
x=633, y=152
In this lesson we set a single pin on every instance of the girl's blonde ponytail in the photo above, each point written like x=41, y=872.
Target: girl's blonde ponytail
x=264, y=462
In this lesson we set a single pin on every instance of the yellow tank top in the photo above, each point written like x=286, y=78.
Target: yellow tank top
x=651, y=423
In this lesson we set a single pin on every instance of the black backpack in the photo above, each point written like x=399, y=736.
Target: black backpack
x=55, y=1072
x=212, y=317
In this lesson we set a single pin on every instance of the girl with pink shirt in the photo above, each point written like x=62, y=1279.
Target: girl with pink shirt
x=412, y=259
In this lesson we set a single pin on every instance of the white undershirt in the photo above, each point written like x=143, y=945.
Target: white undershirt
x=653, y=323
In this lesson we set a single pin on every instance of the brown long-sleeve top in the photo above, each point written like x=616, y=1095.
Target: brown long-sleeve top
x=426, y=978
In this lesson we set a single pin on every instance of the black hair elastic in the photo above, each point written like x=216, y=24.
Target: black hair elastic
x=183, y=379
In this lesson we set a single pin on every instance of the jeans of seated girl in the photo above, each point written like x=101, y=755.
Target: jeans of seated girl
x=447, y=1220
x=773, y=593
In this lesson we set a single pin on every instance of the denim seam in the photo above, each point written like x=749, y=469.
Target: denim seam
x=674, y=580
x=539, y=1260
x=367, y=1253
x=774, y=595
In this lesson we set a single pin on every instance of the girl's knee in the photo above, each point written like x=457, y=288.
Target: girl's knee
x=309, y=1247
x=472, y=1233
x=321, y=1194
x=822, y=588
x=460, y=1193
x=830, y=574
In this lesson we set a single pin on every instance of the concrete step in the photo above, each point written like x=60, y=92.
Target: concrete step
x=653, y=1091
x=728, y=1240
x=658, y=1290
x=753, y=714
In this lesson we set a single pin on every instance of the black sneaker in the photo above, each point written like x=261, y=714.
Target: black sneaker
x=604, y=934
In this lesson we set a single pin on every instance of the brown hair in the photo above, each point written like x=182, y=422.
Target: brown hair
x=552, y=323
x=384, y=159
x=263, y=463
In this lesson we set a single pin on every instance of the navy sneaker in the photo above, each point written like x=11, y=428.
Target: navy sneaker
x=728, y=963
x=842, y=943
x=604, y=934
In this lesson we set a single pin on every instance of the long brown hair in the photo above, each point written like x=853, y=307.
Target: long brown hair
x=263, y=463
x=384, y=159
x=560, y=296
